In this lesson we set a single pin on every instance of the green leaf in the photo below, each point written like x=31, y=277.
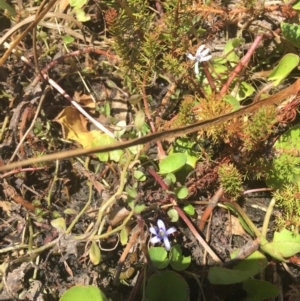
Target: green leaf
x=170, y=178
x=173, y=214
x=83, y=293
x=178, y=261
x=111, y=84
x=158, y=257
x=289, y=140
x=258, y=290
x=284, y=68
x=68, y=39
x=296, y=6
x=70, y=211
x=245, y=90
x=94, y=253
x=233, y=101
x=139, y=208
x=6, y=6
x=140, y=176
x=249, y=267
x=229, y=52
x=59, y=224
x=253, y=264
x=189, y=209
x=291, y=33
x=131, y=196
x=172, y=163
x=77, y=3
x=139, y=120
x=131, y=192
x=167, y=286
x=121, y=129
x=181, y=192
x=285, y=244
x=81, y=15
x=187, y=147
x=135, y=99
x=123, y=236
x=286, y=167
x=104, y=139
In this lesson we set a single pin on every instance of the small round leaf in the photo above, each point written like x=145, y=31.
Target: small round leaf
x=80, y=293
x=59, y=224
x=189, y=209
x=167, y=286
x=181, y=192
x=94, y=253
x=172, y=163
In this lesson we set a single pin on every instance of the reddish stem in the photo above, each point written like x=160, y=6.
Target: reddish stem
x=210, y=207
x=184, y=217
x=241, y=65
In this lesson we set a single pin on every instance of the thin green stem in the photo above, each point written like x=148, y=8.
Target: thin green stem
x=53, y=182
x=111, y=200
x=83, y=209
x=267, y=218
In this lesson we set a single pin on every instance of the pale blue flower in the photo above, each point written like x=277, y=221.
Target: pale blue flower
x=201, y=56
x=161, y=234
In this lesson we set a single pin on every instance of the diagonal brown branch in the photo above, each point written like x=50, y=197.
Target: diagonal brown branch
x=271, y=100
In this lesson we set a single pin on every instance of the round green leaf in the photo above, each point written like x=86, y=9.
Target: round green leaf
x=246, y=269
x=181, y=192
x=139, y=208
x=172, y=163
x=70, y=211
x=167, y=286
x=233, y=101
x=59, y=224
x=77, y=3
x=173, y=214
x=68, y=39
x=104, y=139
x=170, y=178
x=189, y=209
x=83, y=293
x=258, y=290
x=158, y=256
x=178, y=261
x=140, y=176
x=131, y=192
x=244, y=91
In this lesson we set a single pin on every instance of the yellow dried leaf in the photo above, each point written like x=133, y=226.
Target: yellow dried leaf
x=84, y=100
x=73, y=123
x=6, y=206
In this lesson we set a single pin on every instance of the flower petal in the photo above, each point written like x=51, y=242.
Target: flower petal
x=155, y=240
x=206, y=58
x=167, y=243
x=197, y=68
x=199, y=50
x=161, y=225
x=153, y=230
x=170, y=231
x=191, y=57
x=205, y=52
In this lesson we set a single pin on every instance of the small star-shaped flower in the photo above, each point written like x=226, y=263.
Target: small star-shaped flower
x=201, y=56
x=160, y=233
